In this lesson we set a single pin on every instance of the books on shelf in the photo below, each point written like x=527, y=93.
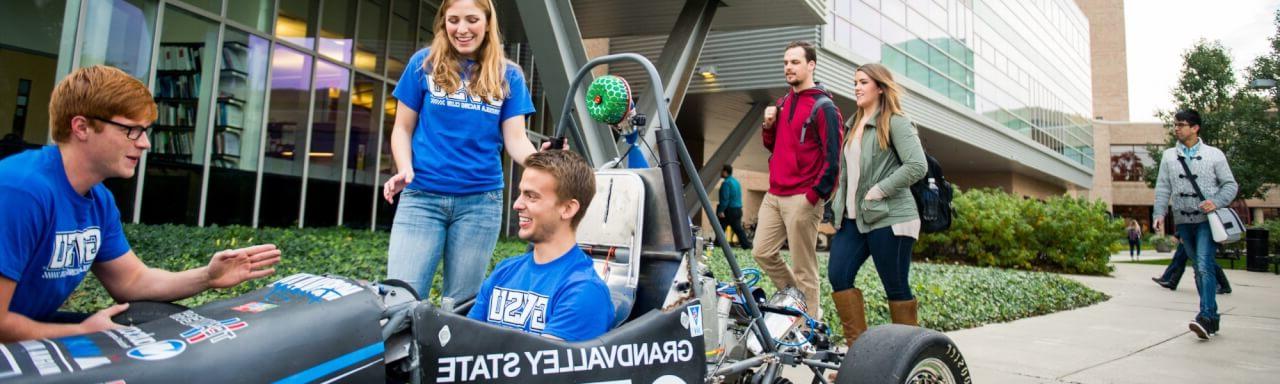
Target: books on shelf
x=179, y=57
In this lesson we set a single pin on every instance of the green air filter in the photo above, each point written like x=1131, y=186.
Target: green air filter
x=608, y=99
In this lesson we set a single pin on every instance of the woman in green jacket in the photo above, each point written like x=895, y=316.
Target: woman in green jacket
x=880, y=159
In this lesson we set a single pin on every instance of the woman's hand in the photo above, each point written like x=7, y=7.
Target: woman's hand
x=874, y=194
x=396, y=184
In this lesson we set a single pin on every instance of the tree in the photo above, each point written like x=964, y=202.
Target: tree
x=1235, y=118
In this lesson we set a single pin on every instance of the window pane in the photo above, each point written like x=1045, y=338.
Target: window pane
x=253, y=13
x=213, y=6
x=175, y=163
x=233, y=170
x=335, y=31
x=293, y=22
x=386, y=212
x=118, y=33
x=286, y=119
x=372, y=37
x=366, y=104
x=30, y=33
x=402, y=45
x=328, y=140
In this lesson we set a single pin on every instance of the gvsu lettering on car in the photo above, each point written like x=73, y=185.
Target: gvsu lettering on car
x=548, y=362
x=309, y=288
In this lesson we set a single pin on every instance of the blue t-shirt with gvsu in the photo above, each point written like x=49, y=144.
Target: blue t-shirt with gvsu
x=563, y=298
x=50, y=236
x=457, y=143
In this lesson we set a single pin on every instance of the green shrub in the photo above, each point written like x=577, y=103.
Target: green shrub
x=1272, y=225
x=996, y=229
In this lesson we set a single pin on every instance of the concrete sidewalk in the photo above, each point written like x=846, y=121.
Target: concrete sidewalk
x=1146, y=255
x=1139, y=336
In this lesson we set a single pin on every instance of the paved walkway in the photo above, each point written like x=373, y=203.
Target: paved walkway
x=1139, y=336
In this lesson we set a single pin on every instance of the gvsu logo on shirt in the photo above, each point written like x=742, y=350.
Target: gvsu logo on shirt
x=518, y=308
x=73, y=252
x=462, y=99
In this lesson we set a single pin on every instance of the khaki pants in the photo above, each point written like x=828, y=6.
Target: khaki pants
x=793, y=219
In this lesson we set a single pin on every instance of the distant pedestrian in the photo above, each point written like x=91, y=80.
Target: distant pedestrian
x=1135, y=240
x=729, y=210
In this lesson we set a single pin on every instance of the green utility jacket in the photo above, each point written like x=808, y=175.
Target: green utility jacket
x=883, y=168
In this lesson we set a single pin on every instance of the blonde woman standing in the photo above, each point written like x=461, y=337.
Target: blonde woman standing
x=880, y=159
x=461, y=103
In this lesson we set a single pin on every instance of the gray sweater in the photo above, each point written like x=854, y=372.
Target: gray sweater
x=1173, y=187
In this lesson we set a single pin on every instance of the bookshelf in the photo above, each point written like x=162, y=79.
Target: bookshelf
x=229, y=122
x=177, y=101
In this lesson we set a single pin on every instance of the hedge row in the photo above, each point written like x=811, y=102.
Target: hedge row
x=992, y=228
x=952, y=297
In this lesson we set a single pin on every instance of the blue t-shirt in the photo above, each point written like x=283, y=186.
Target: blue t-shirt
x=457, y=144
x=50, y=235
x=564, y=298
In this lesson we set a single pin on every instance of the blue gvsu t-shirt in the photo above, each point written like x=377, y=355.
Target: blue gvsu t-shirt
x=457, y=144
x=564, y=298
x=49, y=235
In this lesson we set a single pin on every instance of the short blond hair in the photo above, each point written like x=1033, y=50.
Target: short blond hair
x=97, y=91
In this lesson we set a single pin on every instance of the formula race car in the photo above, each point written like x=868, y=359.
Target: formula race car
x=676, y=321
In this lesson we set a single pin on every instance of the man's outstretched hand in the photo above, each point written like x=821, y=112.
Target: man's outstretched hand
x=235, y=266
x=101, y=320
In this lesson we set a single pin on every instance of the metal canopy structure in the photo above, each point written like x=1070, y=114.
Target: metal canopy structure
x=555, y=29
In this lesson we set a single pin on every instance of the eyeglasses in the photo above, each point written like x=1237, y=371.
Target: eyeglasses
x=1181, y=125
x=133, y=132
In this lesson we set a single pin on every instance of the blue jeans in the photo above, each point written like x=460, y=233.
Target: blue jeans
x=892, y=255
x=1198, y=240
x=462, y=229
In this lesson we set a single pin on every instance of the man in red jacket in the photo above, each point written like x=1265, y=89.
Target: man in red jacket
x=802, y=174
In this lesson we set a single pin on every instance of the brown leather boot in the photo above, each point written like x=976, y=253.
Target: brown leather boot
x=904, y=312
x=852, y=311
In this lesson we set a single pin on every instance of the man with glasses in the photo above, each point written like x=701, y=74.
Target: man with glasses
x=59, y=220
x=1209, y=172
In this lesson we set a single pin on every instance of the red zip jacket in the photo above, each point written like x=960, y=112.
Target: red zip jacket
x=807, y=164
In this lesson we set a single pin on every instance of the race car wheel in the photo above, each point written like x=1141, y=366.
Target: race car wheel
x=903, y=354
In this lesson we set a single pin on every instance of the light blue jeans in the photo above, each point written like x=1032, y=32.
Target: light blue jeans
x=462, y=229
x=1197, y=240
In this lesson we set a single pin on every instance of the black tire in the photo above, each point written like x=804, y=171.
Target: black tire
x=903, y=354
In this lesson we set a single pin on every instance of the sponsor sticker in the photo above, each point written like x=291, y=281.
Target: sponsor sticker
x=43, y=358
x=253, y=307
x=695, y=320
x=308, y=288
x=204, y=328
x=445, y=335
x=84, y=352
x=158, y=350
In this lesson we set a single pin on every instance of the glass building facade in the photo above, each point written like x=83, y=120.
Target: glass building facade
x=271, y=112
x=1023, y=64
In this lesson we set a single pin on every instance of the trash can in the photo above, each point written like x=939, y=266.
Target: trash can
x=1256, y=250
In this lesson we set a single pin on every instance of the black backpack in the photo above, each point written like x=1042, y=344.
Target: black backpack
x=933, y=196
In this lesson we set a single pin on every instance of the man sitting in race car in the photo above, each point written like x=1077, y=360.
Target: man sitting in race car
x=59, y=221
x=552, y=291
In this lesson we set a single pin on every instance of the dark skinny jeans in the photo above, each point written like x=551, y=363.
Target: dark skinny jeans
x=892, y=255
